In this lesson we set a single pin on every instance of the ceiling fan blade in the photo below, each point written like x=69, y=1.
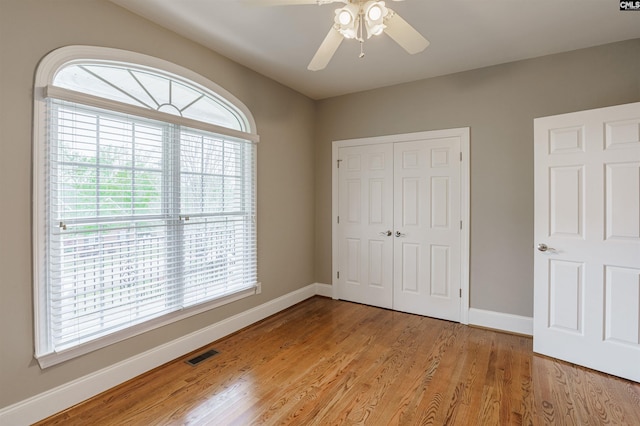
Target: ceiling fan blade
x=404, y=34
x=326, y=50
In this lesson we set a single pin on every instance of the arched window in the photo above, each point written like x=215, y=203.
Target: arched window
x=144, y=198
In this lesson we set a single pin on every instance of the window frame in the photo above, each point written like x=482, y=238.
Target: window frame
x=43, y=89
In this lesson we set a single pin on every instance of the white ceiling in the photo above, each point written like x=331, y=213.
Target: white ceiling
x=279, y=41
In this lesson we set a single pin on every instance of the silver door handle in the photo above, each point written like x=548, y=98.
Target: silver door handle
x=543, y=247
x=386, y=233
x=400, y=234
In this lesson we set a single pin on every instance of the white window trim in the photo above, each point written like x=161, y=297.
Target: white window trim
x=45, y=74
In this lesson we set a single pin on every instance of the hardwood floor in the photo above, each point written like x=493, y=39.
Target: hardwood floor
x=326, y=362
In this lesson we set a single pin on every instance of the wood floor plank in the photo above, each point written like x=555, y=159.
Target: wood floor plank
x=326, y=362
x=477, y=356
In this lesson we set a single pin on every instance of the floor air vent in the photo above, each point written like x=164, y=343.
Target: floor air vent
x=197, y=360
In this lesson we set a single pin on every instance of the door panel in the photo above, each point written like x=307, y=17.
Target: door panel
x=566, y=201
x=365, y=212
x=440, y=202
x=623, y=211
x=410, y=199
x=440, y=267
x=376, y=263
x=587, y=211
x=427, y=243
x=353, y=261
x=622, y=312
x=410, y=272
x=566, y=288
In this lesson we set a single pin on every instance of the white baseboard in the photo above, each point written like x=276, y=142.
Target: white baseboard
x=60, y=398
x=325, y=290
x=500, y=321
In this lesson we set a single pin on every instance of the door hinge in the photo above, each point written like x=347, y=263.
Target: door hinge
x=460, y=224
x=338, y=274
x=460, y=292
x=461, y=156
x=338, y=219
x=338, y=163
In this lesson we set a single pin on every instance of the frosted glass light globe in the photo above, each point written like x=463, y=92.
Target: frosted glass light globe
x=344, y=17
x=375, y=12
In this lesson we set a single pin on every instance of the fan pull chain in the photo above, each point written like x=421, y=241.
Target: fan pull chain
x=361, y=39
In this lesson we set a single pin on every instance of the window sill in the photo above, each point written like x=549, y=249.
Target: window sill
x=52, y=358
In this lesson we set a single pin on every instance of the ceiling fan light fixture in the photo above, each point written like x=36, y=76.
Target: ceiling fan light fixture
x=344, y=17
x=349, y=23
x=347, y=20
x=374, y=14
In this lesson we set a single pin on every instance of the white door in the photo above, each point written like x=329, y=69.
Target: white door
x=398, y=239
x=587, y=228
x=366, y=223
x=427, y=228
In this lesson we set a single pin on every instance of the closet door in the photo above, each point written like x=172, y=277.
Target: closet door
x=427, y=228
x=365, y=240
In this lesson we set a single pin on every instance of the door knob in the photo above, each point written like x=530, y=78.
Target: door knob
x=543, y=247
x=399, y=234
x=386, y=233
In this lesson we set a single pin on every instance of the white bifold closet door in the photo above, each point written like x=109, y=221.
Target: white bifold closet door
x=399, y=232
x=366, y=224
x=587, y=232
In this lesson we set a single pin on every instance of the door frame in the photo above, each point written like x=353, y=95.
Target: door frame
x=464, y=134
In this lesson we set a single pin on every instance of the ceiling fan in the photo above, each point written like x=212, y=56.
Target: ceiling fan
x=349, y=22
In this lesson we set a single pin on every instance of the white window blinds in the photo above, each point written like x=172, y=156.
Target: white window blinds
x=144, y=218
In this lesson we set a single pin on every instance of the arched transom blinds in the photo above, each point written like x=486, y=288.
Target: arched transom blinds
x=145, y=200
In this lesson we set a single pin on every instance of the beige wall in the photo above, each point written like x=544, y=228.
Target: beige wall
x=29, y=29
x=499, y=104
